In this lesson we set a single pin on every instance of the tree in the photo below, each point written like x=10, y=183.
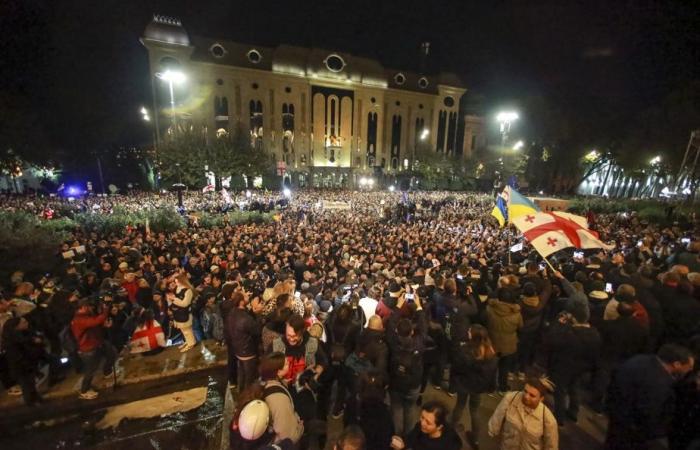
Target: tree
x=249, y=160
x=182, y=156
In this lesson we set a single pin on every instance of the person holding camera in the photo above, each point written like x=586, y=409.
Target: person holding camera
x=88, y=329
x=407, y=343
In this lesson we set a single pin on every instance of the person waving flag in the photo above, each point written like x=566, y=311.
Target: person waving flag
x=511, y=204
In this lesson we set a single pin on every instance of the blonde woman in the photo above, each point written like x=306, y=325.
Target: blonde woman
x=181, y=307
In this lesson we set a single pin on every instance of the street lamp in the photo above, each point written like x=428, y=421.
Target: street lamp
x=505, y=119
x=424, y=134
x=172, y=77
x=518, y=145
x=655, y=160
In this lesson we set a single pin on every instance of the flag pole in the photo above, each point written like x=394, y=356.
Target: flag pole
x=549, y=263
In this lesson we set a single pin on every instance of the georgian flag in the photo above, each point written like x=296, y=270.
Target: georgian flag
x=208, y=188
x=226, y=196
x=551, y=232
x=147, y=338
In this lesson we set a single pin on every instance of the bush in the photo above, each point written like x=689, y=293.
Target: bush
x=26, y=243
x=162, y=220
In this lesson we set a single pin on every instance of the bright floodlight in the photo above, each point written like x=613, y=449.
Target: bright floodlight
x=424, y=134
x=370, y=181
x=507, y=116
x=146, y=118
x=392, y=188
x=144, y=111
x=518, y=145
x=287, y=193
x=173, y=76
x=655, y=160
x=363, y=181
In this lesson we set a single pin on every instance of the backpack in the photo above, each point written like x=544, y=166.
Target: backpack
x=238, y=442
x=338, y=351
x=405, y=369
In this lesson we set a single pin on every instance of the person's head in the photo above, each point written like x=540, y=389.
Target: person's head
x=375, y=323
x=432, y=418
x=534, y=391
x=183, y=280
x=294, y=331
x=352, y=438
x=677, y=360
x=626, y=293
x=670, y=278
x=238, y=299
x=529, y=290
x=273, y=366
x=506, y=295
x=478, y=336
x=404, y=328
x=450, y=286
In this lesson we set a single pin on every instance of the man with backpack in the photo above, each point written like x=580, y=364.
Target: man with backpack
x=406, y=342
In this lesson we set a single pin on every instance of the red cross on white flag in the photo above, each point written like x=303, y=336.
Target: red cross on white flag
x=551, y=232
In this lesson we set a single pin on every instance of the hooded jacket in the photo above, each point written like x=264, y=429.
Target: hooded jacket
x=504, y=320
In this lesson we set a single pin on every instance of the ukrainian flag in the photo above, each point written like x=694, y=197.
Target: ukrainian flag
x=500, y=211
x=519, y=205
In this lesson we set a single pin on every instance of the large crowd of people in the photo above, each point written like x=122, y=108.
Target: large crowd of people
x=353, y=303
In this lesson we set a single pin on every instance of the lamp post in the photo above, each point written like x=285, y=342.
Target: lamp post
x=172, y=77
x=147, y=118
x=505, y=119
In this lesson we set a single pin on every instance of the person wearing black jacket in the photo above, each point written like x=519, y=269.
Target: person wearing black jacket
x=640, y=398
x=23, y=351
x=343, y=331
x=622, y=338
x=407, y=343
x=571, y=349
x=474, y=365
x=432, y=432
x=366, y=408
x=242, y=333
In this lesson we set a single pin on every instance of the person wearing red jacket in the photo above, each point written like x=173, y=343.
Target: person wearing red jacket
x=87, y=329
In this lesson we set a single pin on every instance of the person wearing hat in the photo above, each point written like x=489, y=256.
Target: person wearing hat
x=597, y=301
x=570, y=349
x=523, y=421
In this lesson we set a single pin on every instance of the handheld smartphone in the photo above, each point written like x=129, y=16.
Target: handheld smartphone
x=639, y=243
x=578, y=254
x=460, y=276
x=409, y=297
x=685, y=240
x=543, y=266
x=608, y=287
x=297, y=294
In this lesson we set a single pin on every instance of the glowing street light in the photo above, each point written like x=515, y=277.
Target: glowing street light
x=518, y=145
x=592, y=156
x=655, y=160
x=392, y=188
x=424, y=134
x=172, y=77
x=287, y=192
x=505, y=119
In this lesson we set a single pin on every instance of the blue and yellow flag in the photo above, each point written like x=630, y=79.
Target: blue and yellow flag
x=519, y=205
x=511, y=204
x=500, y=211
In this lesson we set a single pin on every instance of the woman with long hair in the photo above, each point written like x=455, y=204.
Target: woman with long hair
x=474, y=365
x=181, y=306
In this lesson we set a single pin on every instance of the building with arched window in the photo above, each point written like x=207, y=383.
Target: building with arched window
x=330, y=116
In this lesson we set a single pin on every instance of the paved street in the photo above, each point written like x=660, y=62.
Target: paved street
x=64, y=421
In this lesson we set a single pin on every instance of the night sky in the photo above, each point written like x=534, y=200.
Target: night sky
x=78, y=69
